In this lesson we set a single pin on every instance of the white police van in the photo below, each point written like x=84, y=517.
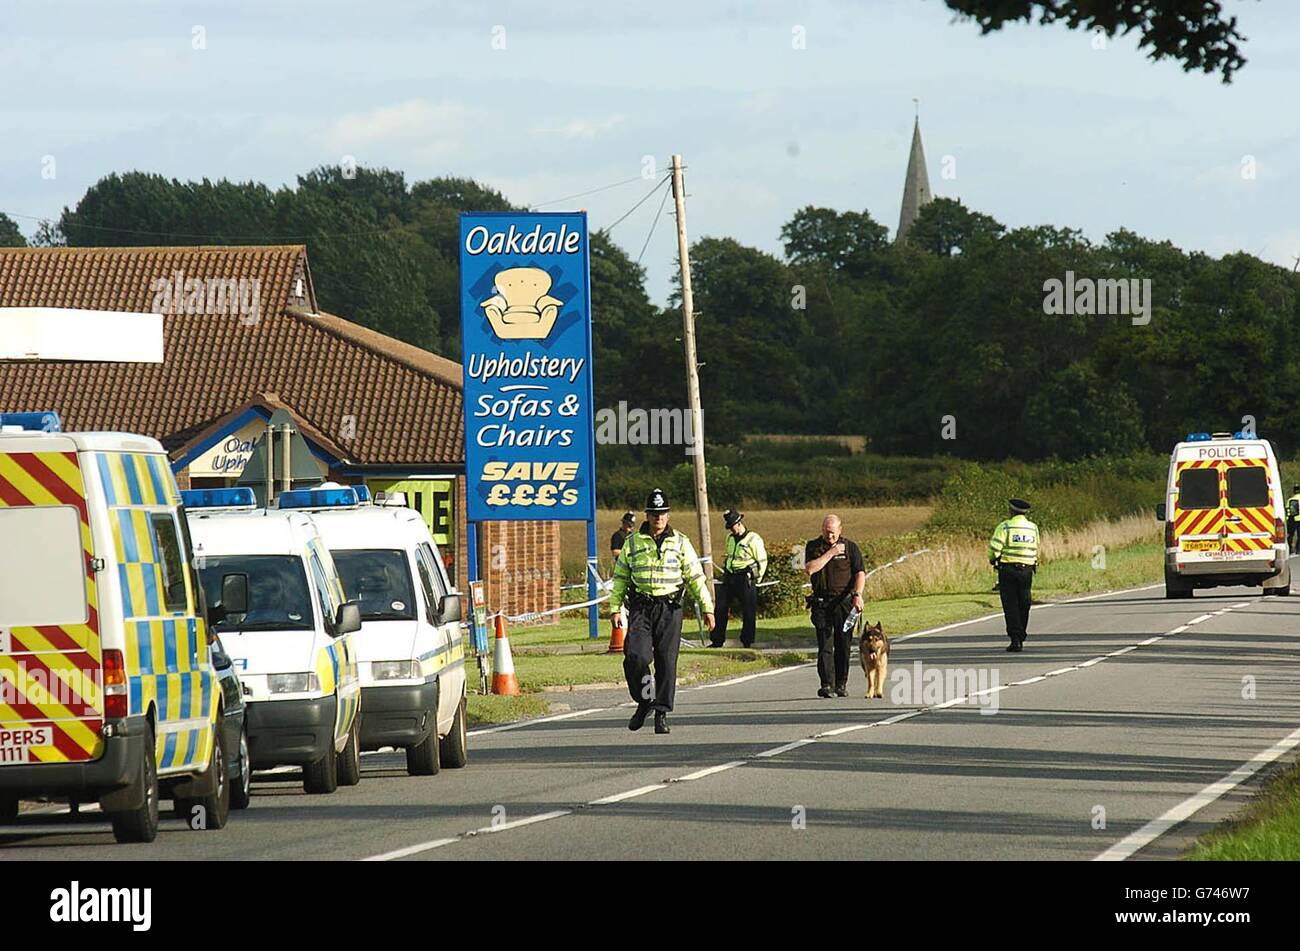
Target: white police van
x=410, y=649
x=1225, y=516
x=295, y=645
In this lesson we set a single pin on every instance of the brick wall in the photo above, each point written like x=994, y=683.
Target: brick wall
x=521, y=563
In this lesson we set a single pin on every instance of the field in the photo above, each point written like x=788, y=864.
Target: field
x=861, y=523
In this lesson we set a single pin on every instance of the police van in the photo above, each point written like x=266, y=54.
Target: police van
x=294, y=643
x=107, y=686
x=1225, y=516
x=410, y=649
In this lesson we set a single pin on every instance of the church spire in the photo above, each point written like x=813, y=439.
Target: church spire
x=916, y=187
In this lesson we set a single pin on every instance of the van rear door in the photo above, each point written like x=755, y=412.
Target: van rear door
x=1248, y=518
x=1198, y=507
x=51, y=680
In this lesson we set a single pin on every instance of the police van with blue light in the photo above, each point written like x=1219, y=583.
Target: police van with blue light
x=1224, y=515
x=410, y=650
x=294, y=641
x=108, y=688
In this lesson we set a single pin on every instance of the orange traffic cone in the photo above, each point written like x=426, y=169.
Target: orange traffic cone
x=503, y=665
x=616, y=635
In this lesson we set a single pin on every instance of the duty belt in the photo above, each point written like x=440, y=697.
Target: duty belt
x=636, y=599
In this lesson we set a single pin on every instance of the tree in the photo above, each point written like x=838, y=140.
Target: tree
x=1193, y=32
x=945, y=226
x=10, y=236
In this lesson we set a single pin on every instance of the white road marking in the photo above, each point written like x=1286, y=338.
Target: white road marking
x=630, y=794
x=1198, y=620
x=777, y=751
x=523, y=723
x=1157, y=827
x=700, y=774
x=1122, y=650
x=1292, y=740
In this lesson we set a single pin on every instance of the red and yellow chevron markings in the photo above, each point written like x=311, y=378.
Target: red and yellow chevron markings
x=51, y=676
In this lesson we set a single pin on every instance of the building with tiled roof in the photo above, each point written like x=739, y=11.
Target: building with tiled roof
x=243, y=338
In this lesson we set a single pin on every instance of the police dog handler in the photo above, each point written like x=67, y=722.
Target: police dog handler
x=656, y=566
x=834, y=564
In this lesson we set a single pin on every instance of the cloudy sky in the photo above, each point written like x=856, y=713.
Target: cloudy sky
x=545, y=100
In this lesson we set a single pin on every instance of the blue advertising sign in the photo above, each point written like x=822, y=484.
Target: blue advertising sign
x=525, y=306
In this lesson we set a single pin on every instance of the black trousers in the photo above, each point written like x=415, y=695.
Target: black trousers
x=833, y=642
x=737, y=587
x=1014, y=584
x=654, y=635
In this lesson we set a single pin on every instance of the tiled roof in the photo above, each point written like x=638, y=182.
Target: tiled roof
x=407, y=403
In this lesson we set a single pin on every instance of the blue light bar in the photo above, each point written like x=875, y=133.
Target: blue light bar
x=317, y=499
x=1198, y=437
x=241, y=497
x=363, y=493
x=46, y=422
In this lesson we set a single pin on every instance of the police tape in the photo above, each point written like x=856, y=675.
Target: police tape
x=901, y=558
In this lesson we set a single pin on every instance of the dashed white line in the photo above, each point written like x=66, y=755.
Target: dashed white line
x=630, y=794
x=700, y=774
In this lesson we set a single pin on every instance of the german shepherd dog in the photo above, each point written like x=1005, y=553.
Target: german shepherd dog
x=873, y=652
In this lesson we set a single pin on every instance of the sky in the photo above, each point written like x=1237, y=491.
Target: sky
x=773, y=106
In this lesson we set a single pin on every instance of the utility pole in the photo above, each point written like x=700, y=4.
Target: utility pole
x=692, y=374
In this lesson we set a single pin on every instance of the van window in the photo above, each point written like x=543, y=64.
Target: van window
x=431, y=588
x=278, y=599
x=42, y=566
x=324, y=597
x=168, y=546
x=380, y=579
x=1248, y=487
x=1198, y=489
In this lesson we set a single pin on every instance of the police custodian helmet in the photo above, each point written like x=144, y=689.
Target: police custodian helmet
x=656, y=501
x=730, y=517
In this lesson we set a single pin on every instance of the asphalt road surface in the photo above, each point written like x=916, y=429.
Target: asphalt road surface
x=1129, y=725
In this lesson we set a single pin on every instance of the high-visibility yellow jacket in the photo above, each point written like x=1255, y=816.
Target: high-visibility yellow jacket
x=1014, y=542
x=656, y=567
x=1289, y=501
x=747, y=551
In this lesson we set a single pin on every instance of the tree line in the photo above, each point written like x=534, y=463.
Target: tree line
x=952, y=342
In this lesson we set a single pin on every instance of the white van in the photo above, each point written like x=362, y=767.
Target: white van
x=410, y=649
x=294, y=646
x=107, y=686
x=1225, y=516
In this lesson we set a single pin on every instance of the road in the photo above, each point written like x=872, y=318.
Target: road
x=1122, y=710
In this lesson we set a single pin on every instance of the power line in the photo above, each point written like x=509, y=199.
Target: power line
x=644, y=198
x=659, y=214
x=602, y=188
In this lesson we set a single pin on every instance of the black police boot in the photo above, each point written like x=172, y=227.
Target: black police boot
x=661, y=723
x=842, y=690
x=1013, y=647
x=825, y=692
x=638, y=718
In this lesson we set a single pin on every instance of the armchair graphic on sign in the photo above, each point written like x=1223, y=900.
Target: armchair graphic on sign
x=522, y=307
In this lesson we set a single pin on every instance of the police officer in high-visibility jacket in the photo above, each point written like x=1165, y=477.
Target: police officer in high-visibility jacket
x=656, y=567
x=742, y=569
x=1293, y=519
x=1013, y=551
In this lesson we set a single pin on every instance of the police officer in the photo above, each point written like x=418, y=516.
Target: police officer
x=656, y=566
x=1013, y=551
x=743, y=568
x=619, y=537
x=1293, y=518
x=834, y=565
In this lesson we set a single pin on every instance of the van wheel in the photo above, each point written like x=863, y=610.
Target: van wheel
x=424, y=759
x=241, y=788
x=141, y=824
x=454, y=747
x=1176, y=587
x=349, y=768
x=8, y=810
x=210, y=811
x=322, y=776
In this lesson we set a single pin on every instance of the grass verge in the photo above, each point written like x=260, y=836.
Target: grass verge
x=1268, y=828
